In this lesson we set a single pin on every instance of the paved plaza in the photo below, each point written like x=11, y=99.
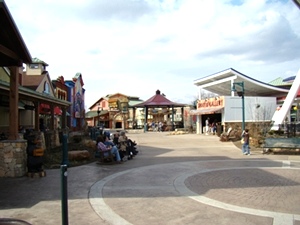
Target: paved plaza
x=175, y=179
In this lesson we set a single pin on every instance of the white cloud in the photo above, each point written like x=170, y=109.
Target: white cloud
x=138, y=46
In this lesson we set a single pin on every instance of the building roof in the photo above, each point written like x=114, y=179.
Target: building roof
x=132, y=100
x=13, y=49
x=93, y=113
x=277, y=82
x=37, y=60
x=159, y=100
x=28, y=94
x=32, y=81
x=132, y=103
x=221, y=83
x=289, y=80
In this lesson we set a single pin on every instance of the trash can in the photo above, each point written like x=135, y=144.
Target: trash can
x=35, y=156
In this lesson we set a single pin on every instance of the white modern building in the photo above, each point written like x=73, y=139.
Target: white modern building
x=239, y=96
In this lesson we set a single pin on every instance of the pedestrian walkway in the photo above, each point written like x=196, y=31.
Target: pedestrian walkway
x=175, y=179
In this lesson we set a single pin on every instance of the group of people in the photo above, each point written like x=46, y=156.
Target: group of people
x=122, y=147
x=210, y=127
x=156, y=126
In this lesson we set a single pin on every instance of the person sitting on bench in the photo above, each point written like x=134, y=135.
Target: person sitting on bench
x=113, y=149
x=127, y=145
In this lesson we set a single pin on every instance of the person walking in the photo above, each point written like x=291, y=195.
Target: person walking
x=245, y=146
x=214, y=127
x=160, y=126
x=207, y=126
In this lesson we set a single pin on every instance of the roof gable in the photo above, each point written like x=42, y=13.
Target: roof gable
x=117, y=95
x=158, y=100
x=39, y=83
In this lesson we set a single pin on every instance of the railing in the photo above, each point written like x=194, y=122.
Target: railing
x=288, y=130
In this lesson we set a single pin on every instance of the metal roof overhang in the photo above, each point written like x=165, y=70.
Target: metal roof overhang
x=220, y=83
x=30, y=95
x=13, y=51
x=297, y=2
x=206, y=110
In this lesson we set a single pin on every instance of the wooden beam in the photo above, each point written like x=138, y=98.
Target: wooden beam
x=13, y=104
x=9, y=53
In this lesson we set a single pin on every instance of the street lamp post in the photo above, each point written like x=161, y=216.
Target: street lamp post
x=241, y=94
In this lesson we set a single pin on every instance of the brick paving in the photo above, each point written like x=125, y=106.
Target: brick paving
x=175, y=179
x=266, y=189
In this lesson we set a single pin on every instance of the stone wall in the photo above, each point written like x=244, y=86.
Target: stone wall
x=257, y=130
x=13, y=158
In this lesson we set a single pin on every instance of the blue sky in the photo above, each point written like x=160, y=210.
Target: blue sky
x=135, y=47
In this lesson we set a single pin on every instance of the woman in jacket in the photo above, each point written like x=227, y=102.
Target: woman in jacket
x=105, y=148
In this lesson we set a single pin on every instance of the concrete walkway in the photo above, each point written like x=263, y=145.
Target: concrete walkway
x=175, y=179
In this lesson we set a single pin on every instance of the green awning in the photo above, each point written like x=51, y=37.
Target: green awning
x=21, y=105
x=92, y=114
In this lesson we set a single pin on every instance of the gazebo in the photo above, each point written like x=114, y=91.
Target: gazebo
x=159, y=101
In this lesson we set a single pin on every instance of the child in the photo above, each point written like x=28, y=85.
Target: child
x=245, y=147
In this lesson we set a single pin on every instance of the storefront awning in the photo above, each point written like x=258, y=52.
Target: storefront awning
x=206, y=110
x=21, y=105
x=93, y=113
x=57, y=111
x=44, y=108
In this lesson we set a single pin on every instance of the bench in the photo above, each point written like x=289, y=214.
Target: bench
x=78, y=155
x=281, y=143
x=105, y=158
x=230, y=135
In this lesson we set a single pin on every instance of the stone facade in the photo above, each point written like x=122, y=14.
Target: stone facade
x=257, y=131
x=13, y=158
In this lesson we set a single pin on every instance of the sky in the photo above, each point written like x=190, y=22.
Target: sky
x=135, y=47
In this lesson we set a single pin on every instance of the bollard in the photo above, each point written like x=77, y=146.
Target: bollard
x=64, y=181
x=64, y=194
x=65, y=150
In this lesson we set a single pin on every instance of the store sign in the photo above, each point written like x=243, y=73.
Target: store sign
x=211, y=102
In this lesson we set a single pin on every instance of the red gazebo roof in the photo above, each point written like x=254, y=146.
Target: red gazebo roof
x=159, y=100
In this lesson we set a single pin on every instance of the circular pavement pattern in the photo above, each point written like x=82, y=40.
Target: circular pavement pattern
x=265, y=189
